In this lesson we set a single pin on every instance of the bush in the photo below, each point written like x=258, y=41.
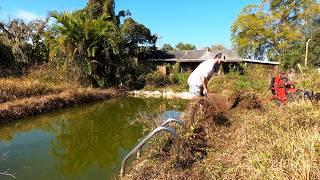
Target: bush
x=156, y=78
x=177, y=77
x=254, y=79
x=176, y=80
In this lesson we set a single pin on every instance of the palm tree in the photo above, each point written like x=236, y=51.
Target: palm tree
x=87, y=42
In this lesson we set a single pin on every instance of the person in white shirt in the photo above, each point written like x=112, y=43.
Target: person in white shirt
x=199, y=78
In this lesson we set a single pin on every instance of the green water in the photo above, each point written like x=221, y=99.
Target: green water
x=84, y=142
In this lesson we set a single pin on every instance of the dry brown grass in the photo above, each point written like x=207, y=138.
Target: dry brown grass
x=34, y=105
x=25, y=96
x=279, y=143
x=257, y=141
x=17, y=88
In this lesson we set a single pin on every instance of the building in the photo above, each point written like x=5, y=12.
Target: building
x=190, y=59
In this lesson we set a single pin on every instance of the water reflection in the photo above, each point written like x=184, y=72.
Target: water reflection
x=87, y=141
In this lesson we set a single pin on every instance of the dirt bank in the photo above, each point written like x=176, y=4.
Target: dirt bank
x=20, y=108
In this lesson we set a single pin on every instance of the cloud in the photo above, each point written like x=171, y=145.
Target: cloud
x=27, y=16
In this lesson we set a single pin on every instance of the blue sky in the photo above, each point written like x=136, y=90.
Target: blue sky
x=200, y=22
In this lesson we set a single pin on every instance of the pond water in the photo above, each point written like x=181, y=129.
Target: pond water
x=83, y=142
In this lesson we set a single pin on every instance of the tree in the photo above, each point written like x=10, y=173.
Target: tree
x=217, y=47
x=135, y=36
x=167, y=47
x=273, y=29
x=22, y=43
x=88, y=44
x=249, y=32
x=185, y=46
x=97, y=45
x=314, y=49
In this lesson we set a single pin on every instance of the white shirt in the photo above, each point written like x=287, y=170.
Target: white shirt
x=205, y=69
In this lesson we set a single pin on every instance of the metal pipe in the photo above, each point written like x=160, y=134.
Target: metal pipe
x=163, y=124
x=144, y=141
x=306, y=57
x=173, y=120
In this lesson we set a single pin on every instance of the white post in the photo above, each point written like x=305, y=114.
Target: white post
x=306, y=58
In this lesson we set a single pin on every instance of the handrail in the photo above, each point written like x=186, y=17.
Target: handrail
x=163, y=124
x=173, y=120
x=145, y=140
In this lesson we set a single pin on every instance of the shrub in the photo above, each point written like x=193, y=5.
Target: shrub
x=156, y=78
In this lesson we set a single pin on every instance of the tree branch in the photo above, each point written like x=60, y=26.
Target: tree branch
x=7, y=174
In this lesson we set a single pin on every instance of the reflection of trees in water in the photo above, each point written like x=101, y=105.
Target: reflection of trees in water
x=7, y=172
x=101, y=134
x=94, y=134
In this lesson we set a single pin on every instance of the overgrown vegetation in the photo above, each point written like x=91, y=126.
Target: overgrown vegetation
x=278, y=30
x=53, y=64
x=238, y=133
x=94, y=46
x=176, y=80
x=21, y=46
x=33, y=95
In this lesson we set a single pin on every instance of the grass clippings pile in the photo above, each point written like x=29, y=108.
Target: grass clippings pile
x=245, y=101
x=202, y=116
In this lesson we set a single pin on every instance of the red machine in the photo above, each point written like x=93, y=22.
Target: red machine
x=281, y=87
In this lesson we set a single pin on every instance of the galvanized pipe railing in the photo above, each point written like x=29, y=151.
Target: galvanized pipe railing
x=163, y=124
x=173, y=120
x=144, y=141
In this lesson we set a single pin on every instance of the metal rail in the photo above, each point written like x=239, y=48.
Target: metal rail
x=173, y=120
x=163, y=124
x=144, y=141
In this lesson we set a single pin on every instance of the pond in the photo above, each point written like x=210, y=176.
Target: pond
x=83, y=142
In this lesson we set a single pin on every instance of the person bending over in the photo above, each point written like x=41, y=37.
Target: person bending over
x=199, y=78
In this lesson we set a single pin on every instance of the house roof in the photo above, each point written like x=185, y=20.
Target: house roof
x=229, y=55
x=196, y=55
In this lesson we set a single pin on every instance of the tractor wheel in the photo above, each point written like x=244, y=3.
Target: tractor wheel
x=277, y=102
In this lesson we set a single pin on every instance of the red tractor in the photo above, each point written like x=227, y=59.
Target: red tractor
x=282, y=89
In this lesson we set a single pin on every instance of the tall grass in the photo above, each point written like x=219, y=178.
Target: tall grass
x=17, y=88
x=280, y=143
x=268, y=143
x=255, y=79
x=36, y=93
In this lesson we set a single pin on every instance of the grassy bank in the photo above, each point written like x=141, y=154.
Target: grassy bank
x=238, y=134
x=21, y=97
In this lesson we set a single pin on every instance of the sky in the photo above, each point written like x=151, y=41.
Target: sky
x=199, y=22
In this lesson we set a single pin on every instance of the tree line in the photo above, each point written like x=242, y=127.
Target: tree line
x=99, y=46
x=189, y=46
x=278, y=30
